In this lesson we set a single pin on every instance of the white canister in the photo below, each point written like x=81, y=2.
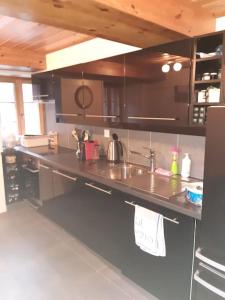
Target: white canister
x=202, y=96
x=186, y=166
x=213, y=94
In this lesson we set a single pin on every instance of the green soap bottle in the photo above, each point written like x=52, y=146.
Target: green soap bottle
x=174, y=164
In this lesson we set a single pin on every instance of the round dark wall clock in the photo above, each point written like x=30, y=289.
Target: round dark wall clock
x=83, y=97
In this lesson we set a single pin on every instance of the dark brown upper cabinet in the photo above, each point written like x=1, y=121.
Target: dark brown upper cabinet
x=106, y=81
x=92, y=93
x=43, y=86
x=155, y=98
x=68, y=110
x=68, y=82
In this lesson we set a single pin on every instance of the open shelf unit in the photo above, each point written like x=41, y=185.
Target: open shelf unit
x=207, y=73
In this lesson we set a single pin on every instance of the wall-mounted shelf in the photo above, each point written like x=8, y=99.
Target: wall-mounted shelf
x=207, y=81
x=215, y=57
x=212, y=67
x=207, y=104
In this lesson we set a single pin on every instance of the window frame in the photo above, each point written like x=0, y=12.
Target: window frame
x=19, y=103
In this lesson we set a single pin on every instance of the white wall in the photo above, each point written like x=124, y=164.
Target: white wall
x=87, y=51
x=2, y=191
x=220, y=23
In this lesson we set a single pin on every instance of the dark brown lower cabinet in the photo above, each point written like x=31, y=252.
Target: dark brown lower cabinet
x=54, y=182
x=45, y=182
x=101, y=219
x=63, y=182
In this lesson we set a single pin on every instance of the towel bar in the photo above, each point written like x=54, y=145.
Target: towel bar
x=168, y=219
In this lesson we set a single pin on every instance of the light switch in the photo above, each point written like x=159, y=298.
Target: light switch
x=106, y=133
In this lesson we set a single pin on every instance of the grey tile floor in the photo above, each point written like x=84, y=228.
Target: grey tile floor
x=40, y=261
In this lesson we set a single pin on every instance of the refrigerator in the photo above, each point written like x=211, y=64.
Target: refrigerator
x=209, y=269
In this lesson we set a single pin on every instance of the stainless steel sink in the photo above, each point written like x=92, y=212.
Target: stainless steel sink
x=121, y=172
x=140, y=177
x=125, y=171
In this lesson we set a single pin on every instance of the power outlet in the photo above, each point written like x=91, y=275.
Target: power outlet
x=106, y=133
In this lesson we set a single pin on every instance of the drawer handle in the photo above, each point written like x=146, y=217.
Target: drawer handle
x=168, y=219
x=98, y=188
x=209, y=261
x=207, y=285
x=64, y=175
x=154, y=119
x=43, y=166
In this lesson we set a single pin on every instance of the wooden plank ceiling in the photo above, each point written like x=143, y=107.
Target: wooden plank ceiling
x=141, y=23
x=24, y=35
x=24, y=43
x=215, y=7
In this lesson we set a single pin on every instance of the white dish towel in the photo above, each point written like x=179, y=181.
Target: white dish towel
x=149, y=231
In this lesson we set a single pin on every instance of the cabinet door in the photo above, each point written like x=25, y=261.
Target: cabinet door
x=168, y=278
x=69, y=108
x=45, y=182
x=63, y=182
x=105, y=80
x=154, y=97
x=43, y=86
x=96, y=217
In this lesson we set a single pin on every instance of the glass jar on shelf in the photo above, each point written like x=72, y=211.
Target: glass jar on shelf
x=206, y=76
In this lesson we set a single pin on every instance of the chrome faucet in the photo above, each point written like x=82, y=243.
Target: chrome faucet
x=151, y=157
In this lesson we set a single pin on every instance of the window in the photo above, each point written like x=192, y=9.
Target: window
x=19, y=114
x=32, y=123
x=8, y=112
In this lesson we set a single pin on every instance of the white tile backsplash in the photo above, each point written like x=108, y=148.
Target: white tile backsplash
x=195, y=146
x=137, y=141
x=163, y=143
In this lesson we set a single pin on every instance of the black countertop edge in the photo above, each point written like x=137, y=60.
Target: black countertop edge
x=187, y=209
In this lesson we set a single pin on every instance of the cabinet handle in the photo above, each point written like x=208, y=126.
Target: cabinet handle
x=69, y=115
x=98, y=188
x=154, y=119
x=38, y=96
x=209, y=261
x=64, y=175
x=101, y=116
x=33, y=171
x=168, y=219
x=43, y=166
x=207, y=285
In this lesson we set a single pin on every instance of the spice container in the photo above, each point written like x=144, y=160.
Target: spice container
x=206, y=76
x=214, y=76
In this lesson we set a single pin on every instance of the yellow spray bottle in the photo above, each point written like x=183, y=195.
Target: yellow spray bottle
x=174, y=164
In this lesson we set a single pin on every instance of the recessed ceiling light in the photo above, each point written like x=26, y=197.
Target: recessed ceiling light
x=165, y=68
x=177, y=66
